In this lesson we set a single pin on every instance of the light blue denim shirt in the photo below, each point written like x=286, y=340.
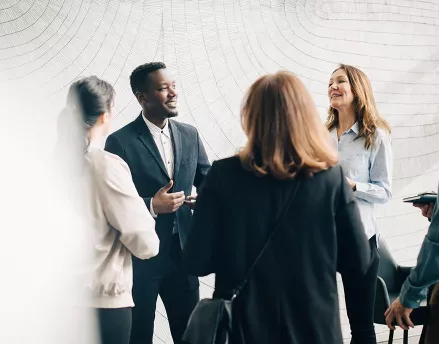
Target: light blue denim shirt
x=371, y=169
x=426, y=271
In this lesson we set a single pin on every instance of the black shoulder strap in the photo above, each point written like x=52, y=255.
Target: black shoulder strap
x=264, y=248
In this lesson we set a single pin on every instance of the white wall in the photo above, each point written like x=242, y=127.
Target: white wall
x=217, y=48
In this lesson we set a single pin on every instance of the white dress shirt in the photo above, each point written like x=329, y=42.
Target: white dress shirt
x=163, y=141
x=371, y=169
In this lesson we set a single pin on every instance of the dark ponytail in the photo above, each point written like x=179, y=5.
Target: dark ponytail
x=87, y=99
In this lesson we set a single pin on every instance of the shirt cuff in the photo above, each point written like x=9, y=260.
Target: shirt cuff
x=361, y=187
x=151, y=210
x=411, y=297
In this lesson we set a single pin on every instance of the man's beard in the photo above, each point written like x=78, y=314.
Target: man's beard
x=171, y=114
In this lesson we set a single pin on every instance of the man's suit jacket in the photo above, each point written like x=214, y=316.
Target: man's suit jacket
x=135, y=145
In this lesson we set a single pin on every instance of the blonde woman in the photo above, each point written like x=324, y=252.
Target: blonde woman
x=287, y=167
x=362, y=138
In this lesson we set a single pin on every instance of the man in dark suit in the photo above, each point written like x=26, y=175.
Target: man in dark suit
x=166, y=159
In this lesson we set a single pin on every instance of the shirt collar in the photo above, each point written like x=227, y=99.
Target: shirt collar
x=355, y=128
x=155, y=130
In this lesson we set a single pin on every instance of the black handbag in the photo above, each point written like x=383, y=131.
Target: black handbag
x=211, y=319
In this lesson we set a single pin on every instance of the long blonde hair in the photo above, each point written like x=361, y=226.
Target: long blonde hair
x=366, y=111
x=284, y=131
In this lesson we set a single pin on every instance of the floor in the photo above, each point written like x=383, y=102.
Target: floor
x=412, y=340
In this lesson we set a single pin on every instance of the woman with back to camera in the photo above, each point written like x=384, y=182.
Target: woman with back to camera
x=287, y=167
x=365, y=153
x=121, y=222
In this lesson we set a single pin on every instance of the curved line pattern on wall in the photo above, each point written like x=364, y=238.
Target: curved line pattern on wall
x=217, y=48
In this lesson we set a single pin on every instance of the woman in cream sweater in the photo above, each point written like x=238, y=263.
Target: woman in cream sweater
x=121, y=222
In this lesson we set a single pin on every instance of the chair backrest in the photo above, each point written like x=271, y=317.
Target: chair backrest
x=389, y=281
x=388, y=268
x=386, y=281
x=382, y=302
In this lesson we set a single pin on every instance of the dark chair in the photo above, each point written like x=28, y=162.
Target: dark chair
x=391, y=276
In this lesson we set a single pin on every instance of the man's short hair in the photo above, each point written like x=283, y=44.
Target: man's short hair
x=139, y=76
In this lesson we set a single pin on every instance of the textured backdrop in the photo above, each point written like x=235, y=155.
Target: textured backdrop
x=217, y=48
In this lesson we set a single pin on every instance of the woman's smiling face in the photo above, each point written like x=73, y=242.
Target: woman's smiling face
x=339, y=90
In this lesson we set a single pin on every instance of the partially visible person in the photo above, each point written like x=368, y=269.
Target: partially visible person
x=424, y=275
x=362, y=138
x=426, y=209
x=291, y=297
x=121, y=224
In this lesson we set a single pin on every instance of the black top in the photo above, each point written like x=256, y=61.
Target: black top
x=292, y=294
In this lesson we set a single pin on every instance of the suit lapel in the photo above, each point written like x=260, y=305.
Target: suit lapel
x=176, y=139
x=146, y=137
